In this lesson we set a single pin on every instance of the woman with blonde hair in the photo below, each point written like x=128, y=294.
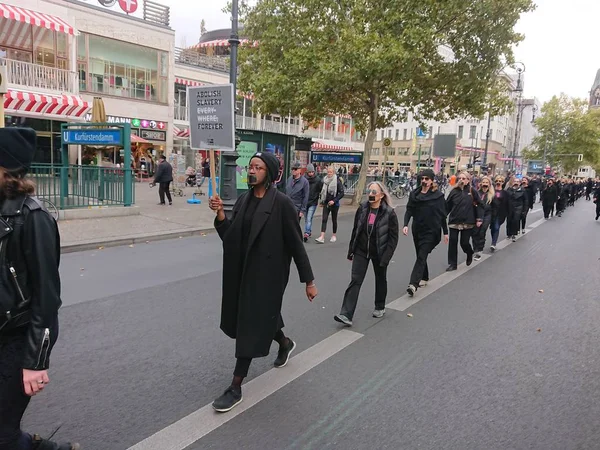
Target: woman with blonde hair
x=374, y=239
x=500, y=210
x=465, y=212
x=486, y=192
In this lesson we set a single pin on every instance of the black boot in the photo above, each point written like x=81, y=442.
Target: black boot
x=44, y=444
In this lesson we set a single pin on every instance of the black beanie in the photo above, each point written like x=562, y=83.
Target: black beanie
x=271, y=162
x=17, y=147
x=427, y=173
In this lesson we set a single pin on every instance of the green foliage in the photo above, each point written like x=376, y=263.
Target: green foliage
x=567, y=128
x=379, y=60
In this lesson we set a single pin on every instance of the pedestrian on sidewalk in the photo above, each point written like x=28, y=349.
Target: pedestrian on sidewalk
x=549, y=198
x=331, y=194
x=29, y=291
x=297, y=189
x=259, y=243
x=465, y=212
x=486, y=193
x=530, y=194
x=596, y=195
x=427, y=208
x=500, y=210
x=164, y=177
x=518, y=204
x=374, y=239
x=315, y=184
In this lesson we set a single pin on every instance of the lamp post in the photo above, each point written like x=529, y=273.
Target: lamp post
x=228, y=163
x=519, y=91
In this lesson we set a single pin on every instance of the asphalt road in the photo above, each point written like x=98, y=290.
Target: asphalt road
x=140, y=349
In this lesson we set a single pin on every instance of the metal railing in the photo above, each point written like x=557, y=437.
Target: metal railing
x=191, y=57
x=40, y=77
x=81, y=187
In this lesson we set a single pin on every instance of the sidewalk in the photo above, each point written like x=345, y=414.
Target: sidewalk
x=154, y=222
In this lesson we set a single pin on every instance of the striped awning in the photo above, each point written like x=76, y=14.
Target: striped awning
x=181, y=134
x=218, y=43
x=321, y=145
x=18, y=102
x=35, y=18
x=187, y=82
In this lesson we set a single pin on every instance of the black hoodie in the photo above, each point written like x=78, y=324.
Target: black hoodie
x=428, y=212
x=315, y=185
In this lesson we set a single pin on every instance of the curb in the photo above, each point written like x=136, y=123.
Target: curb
x=145, y=238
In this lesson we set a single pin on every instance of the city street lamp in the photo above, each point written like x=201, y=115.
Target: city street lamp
x=519, y=91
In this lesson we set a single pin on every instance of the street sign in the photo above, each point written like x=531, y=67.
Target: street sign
x=387, y=142
x=420, y=133
x=92, y=137
x=211, y=116
x=128, y=6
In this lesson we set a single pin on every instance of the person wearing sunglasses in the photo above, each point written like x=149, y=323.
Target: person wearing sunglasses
x=465, y=212
x=427, y=209
x=500, y=209
x=517, y=204
x=486, y=192
x=549, y=198
x=530, y=192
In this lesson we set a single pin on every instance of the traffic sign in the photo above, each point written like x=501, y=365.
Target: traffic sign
x=93, y=137
x=387, y=142
x=420, y=133
x=211, y=116
x=128, y=6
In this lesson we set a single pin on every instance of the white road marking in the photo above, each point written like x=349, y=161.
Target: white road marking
x=198, y=424
x=406, y=301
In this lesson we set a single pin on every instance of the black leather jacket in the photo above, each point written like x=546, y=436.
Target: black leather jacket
x=29, y=277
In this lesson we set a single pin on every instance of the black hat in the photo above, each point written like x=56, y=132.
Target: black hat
x=271, y=162
x=427, y=173
x=296, y=165
x=17, y=147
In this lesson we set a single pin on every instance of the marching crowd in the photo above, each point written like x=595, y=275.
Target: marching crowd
x=260, y=239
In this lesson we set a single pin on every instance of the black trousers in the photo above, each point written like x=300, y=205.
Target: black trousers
x=512, y=224
x=13, y=401
x=242, y=365
x=334, y=216
x=163, y=189
x=548, y=209
x=420, y=270
x=465, y=244
x=360, y=264
x=478, y=234
x=524, y=219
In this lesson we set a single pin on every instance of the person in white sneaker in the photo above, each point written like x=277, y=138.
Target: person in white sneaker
x=487, y=194
x=331, y=194
x=374, y=239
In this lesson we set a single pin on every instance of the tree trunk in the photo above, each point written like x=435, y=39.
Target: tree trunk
x=362, y=177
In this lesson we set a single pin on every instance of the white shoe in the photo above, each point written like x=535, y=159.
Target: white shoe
x=320, y=240
x=378, y=313
x=333, y=239
x=423, y=283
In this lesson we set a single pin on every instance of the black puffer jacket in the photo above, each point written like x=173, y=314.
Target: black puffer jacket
x=164, y=173
x=385, y=238
x=464, y=206
x=315, y=185
x=29, y=277
x=519, y=201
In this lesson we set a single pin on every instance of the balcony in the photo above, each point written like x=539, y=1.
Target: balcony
x=34, y=76
x=190, y=57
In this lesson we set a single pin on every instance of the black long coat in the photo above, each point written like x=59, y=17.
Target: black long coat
x=253, y=289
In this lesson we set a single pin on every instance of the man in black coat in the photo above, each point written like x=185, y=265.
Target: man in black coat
x=549, y=198
x=164, y=177
x=427, y=207
x=518, y=206
x=259, y=242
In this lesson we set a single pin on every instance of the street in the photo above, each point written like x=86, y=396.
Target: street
x=501, y=356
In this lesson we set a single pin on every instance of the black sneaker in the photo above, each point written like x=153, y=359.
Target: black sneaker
x=451, y=268
x=469, y=259
x=229, y=400
x=283, y=356
x=44, y=444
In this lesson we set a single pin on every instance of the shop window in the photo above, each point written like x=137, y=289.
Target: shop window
x=461, y=130
x=248, y=112
x=44, y=50
x=15, y=55
x=8, y=38
x=472, y=132
x=397, y=133
x=62, y=45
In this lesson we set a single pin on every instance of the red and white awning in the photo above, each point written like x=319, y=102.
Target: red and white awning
x=72, y=106
x=35, y=18
x=322, y=145
x=181, y=134
x=218, y=43
x=187, y=82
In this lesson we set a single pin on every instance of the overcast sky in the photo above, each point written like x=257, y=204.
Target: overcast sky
x=558, y=50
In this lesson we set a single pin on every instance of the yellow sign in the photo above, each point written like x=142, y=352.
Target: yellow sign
x=387, y=142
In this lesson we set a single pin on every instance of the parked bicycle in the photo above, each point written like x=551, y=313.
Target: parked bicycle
x=51, y=207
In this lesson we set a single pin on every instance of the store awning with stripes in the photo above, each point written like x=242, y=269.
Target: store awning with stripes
x=218, y=43
x=187, y=82
x=68, y=106
x=324, y=145
x=35, y=18
x=181, y=134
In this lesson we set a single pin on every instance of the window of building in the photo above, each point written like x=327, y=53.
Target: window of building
x=461, y=130
x=439, y=129
x=391, y=151
x=404, y=132
x=430, y=133
x=397, y=133
x=389, y=133
x=122, y=69
x=472, y=131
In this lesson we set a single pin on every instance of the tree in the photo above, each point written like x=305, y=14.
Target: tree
x=202, y=27
x=379, y=60
x=566, y=129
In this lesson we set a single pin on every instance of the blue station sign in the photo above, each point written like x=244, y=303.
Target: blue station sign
x=93, y=137
x=337, y=158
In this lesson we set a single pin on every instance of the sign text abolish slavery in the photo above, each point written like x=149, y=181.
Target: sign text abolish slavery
x=206, y=102
x=211, y=117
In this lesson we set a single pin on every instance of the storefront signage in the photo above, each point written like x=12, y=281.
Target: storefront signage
x=336, y=158
x=92, y=137
x=154, y=135
x=128, y=6
x=135, y=123
x=211, y=117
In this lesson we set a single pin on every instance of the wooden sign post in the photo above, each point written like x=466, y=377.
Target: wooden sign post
x=213, y=175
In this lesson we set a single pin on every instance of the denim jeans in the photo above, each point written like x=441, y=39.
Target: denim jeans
x=495, y=230
x=309, y=218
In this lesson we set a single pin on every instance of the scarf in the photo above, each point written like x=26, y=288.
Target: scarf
x=329, y=187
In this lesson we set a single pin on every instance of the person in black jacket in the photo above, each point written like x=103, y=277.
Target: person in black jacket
x=530, y=192
x=164, y=177
x=29, y=291
x=465, y=212
x=518, y=204
x=427, y=207
x=589, y=187
x=486, y=193
x=597, y=201
x=259, y=243
x=500, y=210
x=315, y=185
x=374, y=239
x=549, y=198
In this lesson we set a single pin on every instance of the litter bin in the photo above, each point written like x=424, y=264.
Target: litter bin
x=210, y=190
